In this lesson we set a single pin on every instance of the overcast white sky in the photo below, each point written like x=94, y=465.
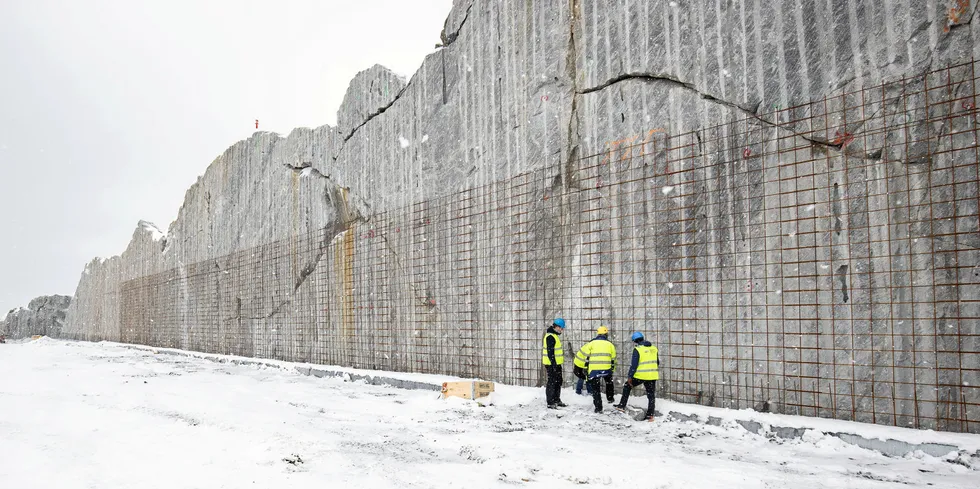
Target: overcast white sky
x=110, y=109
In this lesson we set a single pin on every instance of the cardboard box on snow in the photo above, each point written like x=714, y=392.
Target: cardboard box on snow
x=467, y=389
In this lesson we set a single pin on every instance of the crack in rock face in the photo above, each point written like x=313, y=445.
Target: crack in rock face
x=370, y=94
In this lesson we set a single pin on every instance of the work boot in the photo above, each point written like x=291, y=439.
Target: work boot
x=552, y=406
x=598, y=409
x=561, y=404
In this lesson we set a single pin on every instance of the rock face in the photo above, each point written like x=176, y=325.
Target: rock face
x=44, y=315
x=371, y=92
x=782, y=195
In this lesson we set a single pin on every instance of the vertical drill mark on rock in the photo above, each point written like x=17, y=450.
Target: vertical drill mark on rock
x=842, y=278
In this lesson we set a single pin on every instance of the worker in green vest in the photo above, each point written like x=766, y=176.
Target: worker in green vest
x=600, y=355
x=645, y=370
x=553, y=356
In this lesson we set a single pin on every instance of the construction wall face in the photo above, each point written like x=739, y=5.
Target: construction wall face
x=824, y=265
x=794, y=228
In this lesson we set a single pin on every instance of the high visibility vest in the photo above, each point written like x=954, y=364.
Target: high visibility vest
x=559, y=352
x=647, y=369
x=579, y=359
x=600, y=355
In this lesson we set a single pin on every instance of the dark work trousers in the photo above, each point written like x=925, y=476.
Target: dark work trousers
x=552, y=391
x=651, y=388
x=597, y=392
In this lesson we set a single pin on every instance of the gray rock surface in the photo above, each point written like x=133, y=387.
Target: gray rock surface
x=782, y=195
x=371, y=92
x=897, y=448
x=750, y=426
x=44, y=315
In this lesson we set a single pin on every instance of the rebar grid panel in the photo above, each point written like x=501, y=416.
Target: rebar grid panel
x=819, y=260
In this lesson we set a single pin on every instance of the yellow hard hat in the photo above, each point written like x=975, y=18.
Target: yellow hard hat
x=602, y=330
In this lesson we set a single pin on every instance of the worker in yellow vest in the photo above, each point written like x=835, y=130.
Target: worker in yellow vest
x=553, y=356
x=580, y=369
x=600, y=355
x=645, y=370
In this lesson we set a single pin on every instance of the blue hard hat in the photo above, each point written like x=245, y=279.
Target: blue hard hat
x=560, y=322
x=637, y=336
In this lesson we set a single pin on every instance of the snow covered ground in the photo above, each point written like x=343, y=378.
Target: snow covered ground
x=76, y=414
